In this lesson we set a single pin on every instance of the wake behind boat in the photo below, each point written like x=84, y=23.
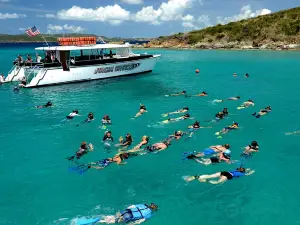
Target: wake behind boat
x=81, y=59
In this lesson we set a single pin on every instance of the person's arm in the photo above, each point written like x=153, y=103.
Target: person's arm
x=91, y=147
x=138, y=221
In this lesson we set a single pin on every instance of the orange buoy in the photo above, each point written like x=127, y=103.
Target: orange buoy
x=197, y=71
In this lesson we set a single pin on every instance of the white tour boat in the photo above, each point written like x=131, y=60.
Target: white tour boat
x=78, y=63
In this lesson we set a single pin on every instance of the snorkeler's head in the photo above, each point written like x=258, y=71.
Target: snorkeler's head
x=187, y=115
x=236, y=124
x=227, y=146
x=254, y=143
x=153, y=206
x=75, y=111
x=49, y=103
x=124, y=155
x=178, y=133
x=186, y=108
x=146, y=138
x=183, y=92
x=238, y=97
x=225, y=110
x=241, y=169
x=83, y=144
x=203, y=92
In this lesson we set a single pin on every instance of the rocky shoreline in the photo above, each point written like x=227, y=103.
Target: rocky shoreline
x=223, y=45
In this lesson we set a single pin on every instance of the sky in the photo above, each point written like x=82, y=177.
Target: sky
x=129, y=18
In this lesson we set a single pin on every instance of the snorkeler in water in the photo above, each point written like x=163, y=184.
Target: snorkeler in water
x=72, y=114
x=84, y=149
x=246, y=104
x=184, y=117
x=48, y=104
x=118, y=159
x=157, y=147
x=144, y=141
x=202, y=94
x=108, y=137
x=138, y=147
x=221, y=157
x=262, y=112
x=134, y=214
x=208, y=152
x=177, y=135
x=225, y=130
x=141, y=111
x=250, y=149
x=103, y=163
x=221, y=176
x=125, y=143
x=106, y=120
x=177, y=94
x=89, y=118
x=196, y=126
x=247, y=75
x=233, y=98
x=183, y=110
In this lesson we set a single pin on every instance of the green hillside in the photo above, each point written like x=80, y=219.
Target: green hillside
x=282, y=26
x=53, y=38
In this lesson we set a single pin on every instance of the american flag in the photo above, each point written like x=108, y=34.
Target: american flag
x=33, y=31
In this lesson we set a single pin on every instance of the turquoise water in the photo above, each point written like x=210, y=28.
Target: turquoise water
x=36, y=187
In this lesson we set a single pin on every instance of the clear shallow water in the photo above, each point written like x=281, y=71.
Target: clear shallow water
x=37, y=188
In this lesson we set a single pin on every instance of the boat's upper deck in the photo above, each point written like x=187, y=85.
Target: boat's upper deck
x=83, y=47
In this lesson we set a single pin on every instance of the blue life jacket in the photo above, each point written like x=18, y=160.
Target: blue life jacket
x=236, y=174
x=140, y=211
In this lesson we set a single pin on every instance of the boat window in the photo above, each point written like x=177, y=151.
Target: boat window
x=122, y=52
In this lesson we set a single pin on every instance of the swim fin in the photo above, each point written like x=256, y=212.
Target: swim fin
x=86, y=221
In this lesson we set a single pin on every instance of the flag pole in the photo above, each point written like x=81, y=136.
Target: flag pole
x=45, y=40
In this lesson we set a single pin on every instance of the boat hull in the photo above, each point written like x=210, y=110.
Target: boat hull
x=56, y=76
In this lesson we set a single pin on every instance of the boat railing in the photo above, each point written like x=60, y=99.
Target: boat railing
x=13, y=68
x=31, y=72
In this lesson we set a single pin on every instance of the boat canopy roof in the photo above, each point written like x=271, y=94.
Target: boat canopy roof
x=84, y=47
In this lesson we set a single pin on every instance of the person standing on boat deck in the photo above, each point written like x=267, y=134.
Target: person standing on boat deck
x=38, y=58
x=29, y=59
x=47, y=58
x=19, y=60
x=110, y=54
x=101, y=53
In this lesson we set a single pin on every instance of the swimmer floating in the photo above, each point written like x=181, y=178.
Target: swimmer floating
x=211, y=151
x=84, y=149
x=262, y=112
x=134, y=214
x=141, y=111
x=225, y=130
x=183, y=110
x=184, y=117
x=221, y=176
x=246, y=104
